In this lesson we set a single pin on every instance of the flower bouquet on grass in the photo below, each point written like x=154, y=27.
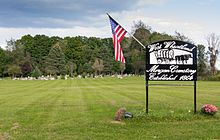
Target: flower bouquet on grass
x=209, y=109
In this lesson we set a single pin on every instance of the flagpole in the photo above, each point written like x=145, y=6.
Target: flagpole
x=130, y=34
x=136, y=39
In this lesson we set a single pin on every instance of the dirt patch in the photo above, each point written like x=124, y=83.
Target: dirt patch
x=113, y=102
x=15, y=126
x=2, y=137
x=117, y=122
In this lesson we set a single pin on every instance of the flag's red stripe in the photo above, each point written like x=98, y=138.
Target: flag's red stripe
x=122, y=56
x=117, y=28
x=116, y=47
x=114, y=42
x=119, y=51
x=119, y=32
x=122, y=36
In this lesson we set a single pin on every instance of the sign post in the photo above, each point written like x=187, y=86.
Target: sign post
x=195, y=96
x=171, y=60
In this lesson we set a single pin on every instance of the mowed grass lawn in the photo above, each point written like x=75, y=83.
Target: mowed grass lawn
x=85, y=108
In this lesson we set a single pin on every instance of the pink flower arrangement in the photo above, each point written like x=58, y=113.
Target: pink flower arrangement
x=209, y=109
x=119, y=114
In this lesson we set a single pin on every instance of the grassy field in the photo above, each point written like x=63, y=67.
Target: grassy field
x=85, y=108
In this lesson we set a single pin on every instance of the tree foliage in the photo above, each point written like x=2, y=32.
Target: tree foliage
x=136, y=51
x=182, y=37
x=42, y=55
x=98, y=66
x=55, y=61
x=36, y=72
x=201, y=60
x=14, y=70
x=2, y=61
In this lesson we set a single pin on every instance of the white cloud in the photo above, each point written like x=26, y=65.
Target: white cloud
x=205, y=2
x=150, y=2
x=17, y=33
x=99, y=27
x=195, y=31
x=49, y=21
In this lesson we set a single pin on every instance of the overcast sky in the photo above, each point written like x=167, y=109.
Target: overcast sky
x=194, y=18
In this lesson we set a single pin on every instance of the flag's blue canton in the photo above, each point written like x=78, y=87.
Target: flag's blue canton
x=113, y=25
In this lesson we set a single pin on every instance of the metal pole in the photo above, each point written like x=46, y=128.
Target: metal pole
x=195, y=97
x=146, y=96
x=147, y=61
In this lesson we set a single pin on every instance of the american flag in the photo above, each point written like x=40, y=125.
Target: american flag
x=118, y=34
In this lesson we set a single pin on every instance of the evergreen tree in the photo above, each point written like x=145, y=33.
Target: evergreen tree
x=55, y=61
x=71, y=68
x=201, y=60
x=36, y=72
x=155, y=36
x=142, y=33
x=182, y=37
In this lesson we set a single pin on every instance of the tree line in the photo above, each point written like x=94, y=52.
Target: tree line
x=42, y=55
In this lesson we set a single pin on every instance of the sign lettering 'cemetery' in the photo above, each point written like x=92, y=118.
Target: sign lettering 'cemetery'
x=171, y=60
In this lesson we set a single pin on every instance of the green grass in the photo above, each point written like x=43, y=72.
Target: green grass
x=85, y=108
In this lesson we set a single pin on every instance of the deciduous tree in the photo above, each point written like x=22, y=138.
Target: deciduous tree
x=14, y=70
x=3, y=61
x=98, y=66
x=213, y=50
